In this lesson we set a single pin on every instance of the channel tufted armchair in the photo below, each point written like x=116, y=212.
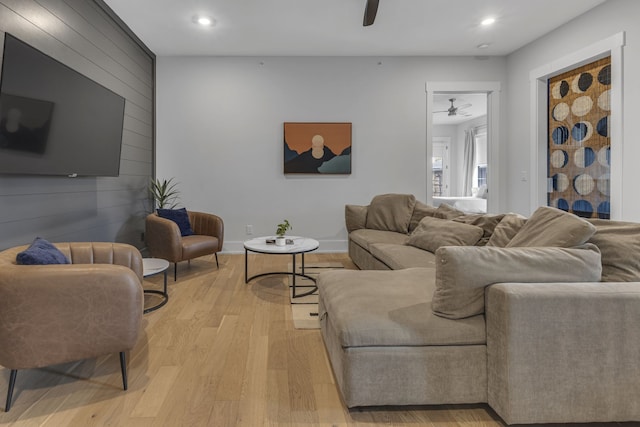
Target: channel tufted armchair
x=164, y=240
x=51, y=314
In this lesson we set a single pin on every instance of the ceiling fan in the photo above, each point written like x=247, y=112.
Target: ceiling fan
x=370, y=10
x=454, y=111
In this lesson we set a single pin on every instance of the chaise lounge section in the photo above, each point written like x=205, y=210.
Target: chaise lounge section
x=514, y=312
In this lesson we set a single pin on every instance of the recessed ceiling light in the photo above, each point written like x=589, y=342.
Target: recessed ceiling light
x=205, y=21
x=488, y=21
x=483, y=45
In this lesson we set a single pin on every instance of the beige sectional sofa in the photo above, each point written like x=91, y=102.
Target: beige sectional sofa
x=537, y=317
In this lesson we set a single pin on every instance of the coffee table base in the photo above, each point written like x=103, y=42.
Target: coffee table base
x=292, y=273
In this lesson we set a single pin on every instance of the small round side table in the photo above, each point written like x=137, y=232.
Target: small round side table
x=151, y=267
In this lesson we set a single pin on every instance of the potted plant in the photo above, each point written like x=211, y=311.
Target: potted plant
x=281, y=231
x=164, y=193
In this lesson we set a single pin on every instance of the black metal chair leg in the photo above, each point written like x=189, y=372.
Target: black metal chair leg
x=12, y=382
x=123, y=368
x=217, y=264
x=175, y=271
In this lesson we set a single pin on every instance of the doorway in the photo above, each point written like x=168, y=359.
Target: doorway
x=482, y=170
x=612, y=46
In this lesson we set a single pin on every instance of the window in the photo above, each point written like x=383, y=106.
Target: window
x=480, y=169
x=437, y=179
x=482, y=175
x=440, y=166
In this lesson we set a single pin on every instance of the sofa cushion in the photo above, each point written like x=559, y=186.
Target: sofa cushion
x=446, y=211
x=432, y=233
x=41, y=252
x=553, y=227
x=391, y=308
x=616, y=241
x=487, y=222
x=391, y=212
x=398, y=257
x=355, y=217
x=420, y=210
x=508, y=227
x=462, y=272
x=365, y=237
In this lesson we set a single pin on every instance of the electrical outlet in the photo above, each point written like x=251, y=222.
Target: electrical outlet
x=249, y=230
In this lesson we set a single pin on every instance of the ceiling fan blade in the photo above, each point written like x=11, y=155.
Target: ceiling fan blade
x=442, y=111
x=370, y=11
x=460, y=107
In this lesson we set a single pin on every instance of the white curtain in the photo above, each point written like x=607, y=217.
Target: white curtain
x=469, y=161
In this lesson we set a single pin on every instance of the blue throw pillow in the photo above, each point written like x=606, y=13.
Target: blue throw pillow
x=180, y=217
x=41, y=252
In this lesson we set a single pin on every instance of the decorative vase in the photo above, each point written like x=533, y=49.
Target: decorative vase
x=281, y=241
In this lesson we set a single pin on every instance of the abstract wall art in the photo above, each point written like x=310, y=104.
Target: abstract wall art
x=317, y=148
x=579, y=141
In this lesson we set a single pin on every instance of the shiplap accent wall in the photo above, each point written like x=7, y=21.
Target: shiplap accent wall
x=84, y=35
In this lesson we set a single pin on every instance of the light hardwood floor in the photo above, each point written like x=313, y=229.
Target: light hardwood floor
x=220, y=353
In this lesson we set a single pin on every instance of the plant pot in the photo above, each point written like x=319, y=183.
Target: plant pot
x=281, y=241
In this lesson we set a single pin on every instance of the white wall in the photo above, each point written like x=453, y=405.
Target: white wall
x=219, y=132
x=600, y=23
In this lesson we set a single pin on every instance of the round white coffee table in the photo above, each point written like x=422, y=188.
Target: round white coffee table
x=299, y=245
x=151, y=267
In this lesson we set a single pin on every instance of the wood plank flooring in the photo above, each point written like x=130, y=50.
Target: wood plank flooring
x=220, y=353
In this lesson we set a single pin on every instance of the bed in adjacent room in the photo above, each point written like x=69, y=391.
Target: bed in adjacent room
x=471, y=204
x=466, y=204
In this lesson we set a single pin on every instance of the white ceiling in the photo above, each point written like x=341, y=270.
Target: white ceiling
x=334, y=27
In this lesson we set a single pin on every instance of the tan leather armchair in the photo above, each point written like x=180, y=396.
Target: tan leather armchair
x=51, y=314
x=163, y=238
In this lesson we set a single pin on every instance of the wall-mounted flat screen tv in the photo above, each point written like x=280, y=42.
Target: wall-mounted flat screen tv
x=54, y=120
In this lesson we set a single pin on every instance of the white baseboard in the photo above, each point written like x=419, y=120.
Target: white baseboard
x=326, y=246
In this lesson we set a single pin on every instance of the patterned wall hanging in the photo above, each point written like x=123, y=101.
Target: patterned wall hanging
x=579, y=142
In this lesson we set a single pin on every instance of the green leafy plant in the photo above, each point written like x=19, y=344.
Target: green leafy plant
x=165, y=193
x=283, y=227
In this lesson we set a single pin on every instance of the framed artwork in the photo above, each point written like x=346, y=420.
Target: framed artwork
x=579, y=145
x=317, y=148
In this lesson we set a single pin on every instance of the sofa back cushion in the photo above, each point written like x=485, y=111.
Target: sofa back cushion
x=463, y=272
x=355, y=217
x=420, y=210
x=432, y=233
x=506, y=229
x=446, y=211
x=553, y=227
x=619, y=244
x=391, y=212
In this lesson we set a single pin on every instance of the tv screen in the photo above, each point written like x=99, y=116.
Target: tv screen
x=54, y=120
